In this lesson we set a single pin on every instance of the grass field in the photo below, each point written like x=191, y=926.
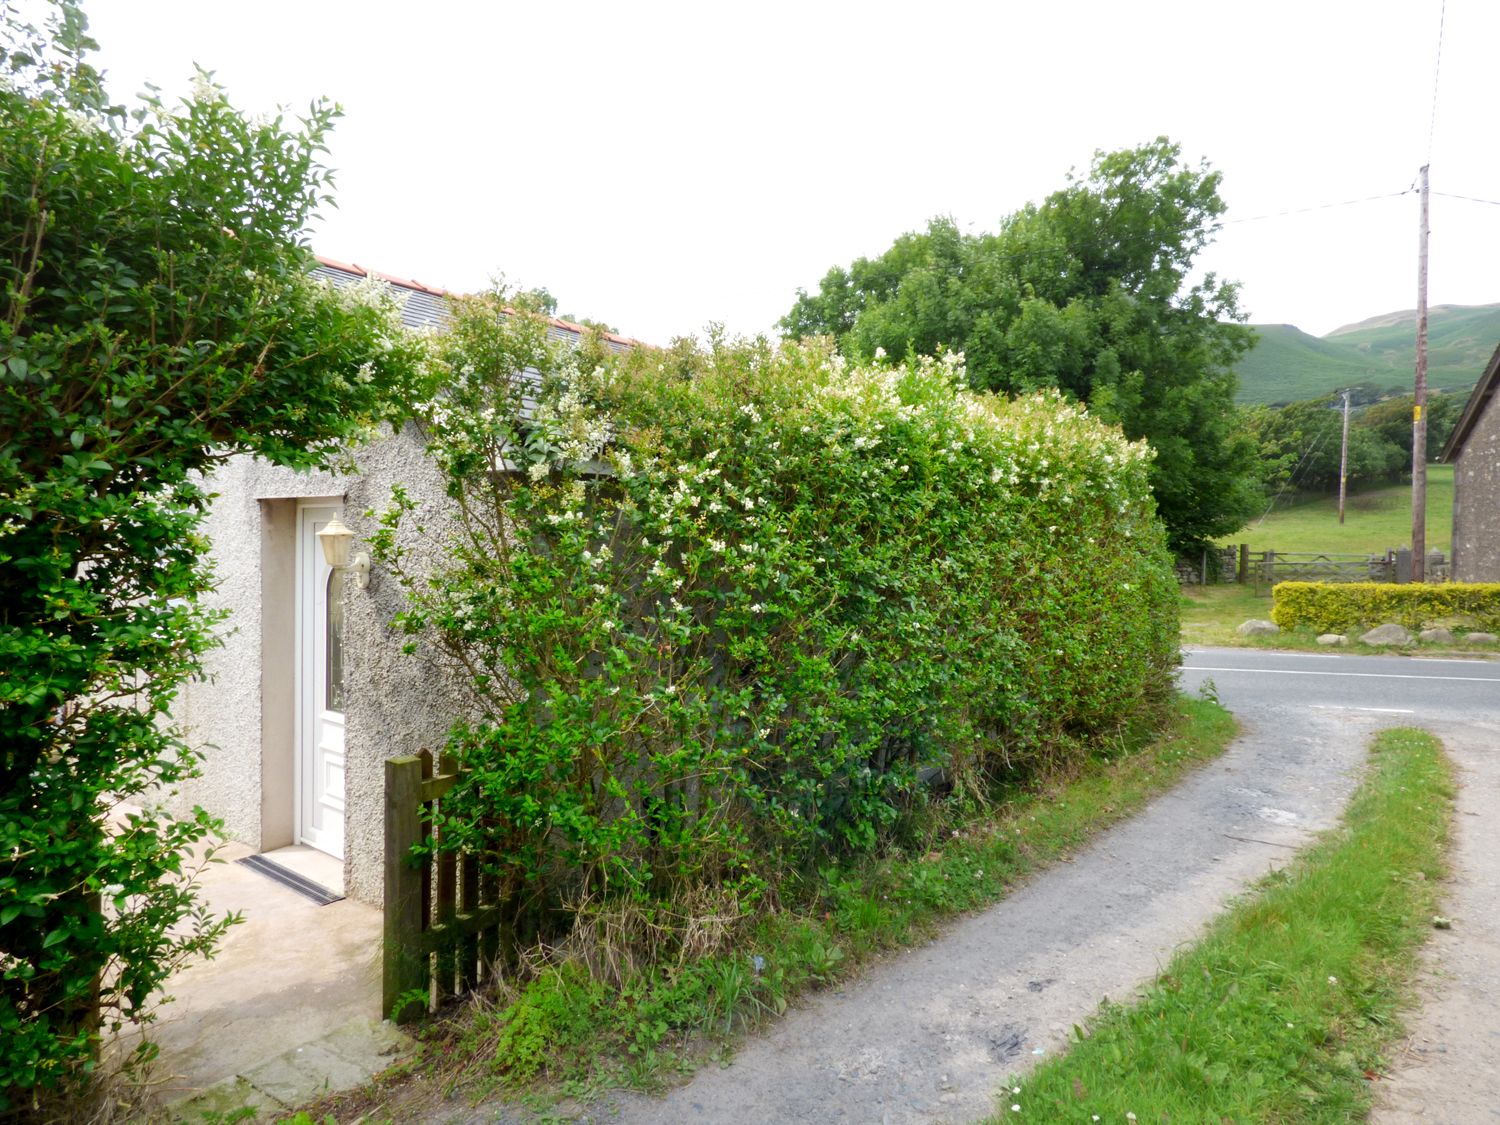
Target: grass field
x=1373, y=521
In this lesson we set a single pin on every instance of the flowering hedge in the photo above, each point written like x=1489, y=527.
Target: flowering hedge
x=721, y=605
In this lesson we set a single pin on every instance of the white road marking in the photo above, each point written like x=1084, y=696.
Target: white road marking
x=1379, y=710
x=1360, y=675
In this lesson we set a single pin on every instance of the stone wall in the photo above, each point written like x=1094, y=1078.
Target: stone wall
x=1476, y=502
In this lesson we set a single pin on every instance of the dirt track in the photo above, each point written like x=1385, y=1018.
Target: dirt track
x=1448, y=1068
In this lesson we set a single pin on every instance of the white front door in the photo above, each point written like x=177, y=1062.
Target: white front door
x=320, y=687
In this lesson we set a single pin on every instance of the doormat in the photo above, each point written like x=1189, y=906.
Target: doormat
x=290, y=879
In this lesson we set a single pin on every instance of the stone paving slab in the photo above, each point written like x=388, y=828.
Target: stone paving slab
x=345, y=1058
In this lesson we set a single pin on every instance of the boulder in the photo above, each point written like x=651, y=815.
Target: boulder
x=1332, y=639
x=1481, y=638
x=1258, y=628
x=1438, y=635
x=1387, y=634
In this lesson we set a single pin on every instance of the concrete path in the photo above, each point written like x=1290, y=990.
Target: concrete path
x=928, y=1036
x=287, y=1010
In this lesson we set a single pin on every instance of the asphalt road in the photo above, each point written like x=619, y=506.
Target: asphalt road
x=1257, y=683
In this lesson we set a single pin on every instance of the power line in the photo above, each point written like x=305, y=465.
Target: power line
x=1320, y=207
x=1469, y=198
x=1437, y=70
x=1307, y=453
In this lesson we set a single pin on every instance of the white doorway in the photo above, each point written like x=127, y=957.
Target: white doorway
x=319, y=770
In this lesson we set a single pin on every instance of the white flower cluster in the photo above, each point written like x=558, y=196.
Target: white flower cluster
x=370, y=293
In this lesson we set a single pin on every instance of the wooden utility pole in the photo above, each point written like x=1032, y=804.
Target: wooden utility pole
x=1419, y=409
x=1344, y=460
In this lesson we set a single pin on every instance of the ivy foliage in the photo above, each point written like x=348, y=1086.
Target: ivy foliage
x=722, y=606
x=1090, y=292
x=156, y=317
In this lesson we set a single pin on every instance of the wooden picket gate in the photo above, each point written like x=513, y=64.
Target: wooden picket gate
x=442, y=920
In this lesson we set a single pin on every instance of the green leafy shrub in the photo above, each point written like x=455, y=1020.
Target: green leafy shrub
x=1347, y=607
x=719, y=606
x=156, y=317
x=557, y=1010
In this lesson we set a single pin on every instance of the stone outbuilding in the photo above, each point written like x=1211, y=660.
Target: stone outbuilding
x=1474, y=451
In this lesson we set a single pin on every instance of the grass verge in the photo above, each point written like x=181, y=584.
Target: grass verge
x=565, y=1034
x=1280, y=1013
x=1211, y=614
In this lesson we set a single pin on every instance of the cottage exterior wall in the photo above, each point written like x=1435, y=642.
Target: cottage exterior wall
x=241, y=717
x=1476, y=502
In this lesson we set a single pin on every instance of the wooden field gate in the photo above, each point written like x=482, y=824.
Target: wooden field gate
x=442, y=919
x=1237, y=563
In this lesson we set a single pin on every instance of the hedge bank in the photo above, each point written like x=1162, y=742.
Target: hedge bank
x=723, y=608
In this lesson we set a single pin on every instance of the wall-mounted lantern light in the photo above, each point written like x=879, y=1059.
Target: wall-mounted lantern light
x=336, y=538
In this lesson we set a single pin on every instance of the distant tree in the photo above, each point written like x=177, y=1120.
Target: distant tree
x=1301, y=444
x=588, y=322
x=1392, y=420
x=537, y=300
x=540, y=300
x=1089, y=292
x=157, y=316
x=1368, y=393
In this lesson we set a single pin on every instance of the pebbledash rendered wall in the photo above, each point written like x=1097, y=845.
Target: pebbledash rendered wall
x=1476, y=499
x=242, y=716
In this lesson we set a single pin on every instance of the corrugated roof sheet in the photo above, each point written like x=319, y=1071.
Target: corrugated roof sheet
x=423, y=306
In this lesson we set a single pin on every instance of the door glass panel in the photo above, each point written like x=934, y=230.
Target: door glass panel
x=334, y=678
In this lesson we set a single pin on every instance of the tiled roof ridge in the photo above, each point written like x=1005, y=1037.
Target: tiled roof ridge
x=409, y=283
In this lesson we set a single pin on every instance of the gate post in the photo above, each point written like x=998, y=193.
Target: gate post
x=405, y=964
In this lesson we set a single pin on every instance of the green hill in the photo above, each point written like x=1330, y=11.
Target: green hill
x=1288, y=365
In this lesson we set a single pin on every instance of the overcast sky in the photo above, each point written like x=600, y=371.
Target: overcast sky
x=663, y=166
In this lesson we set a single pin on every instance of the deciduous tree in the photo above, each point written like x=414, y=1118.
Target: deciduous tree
x=1092, y=292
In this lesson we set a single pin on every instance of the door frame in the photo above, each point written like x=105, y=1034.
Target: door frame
x=311, y=576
